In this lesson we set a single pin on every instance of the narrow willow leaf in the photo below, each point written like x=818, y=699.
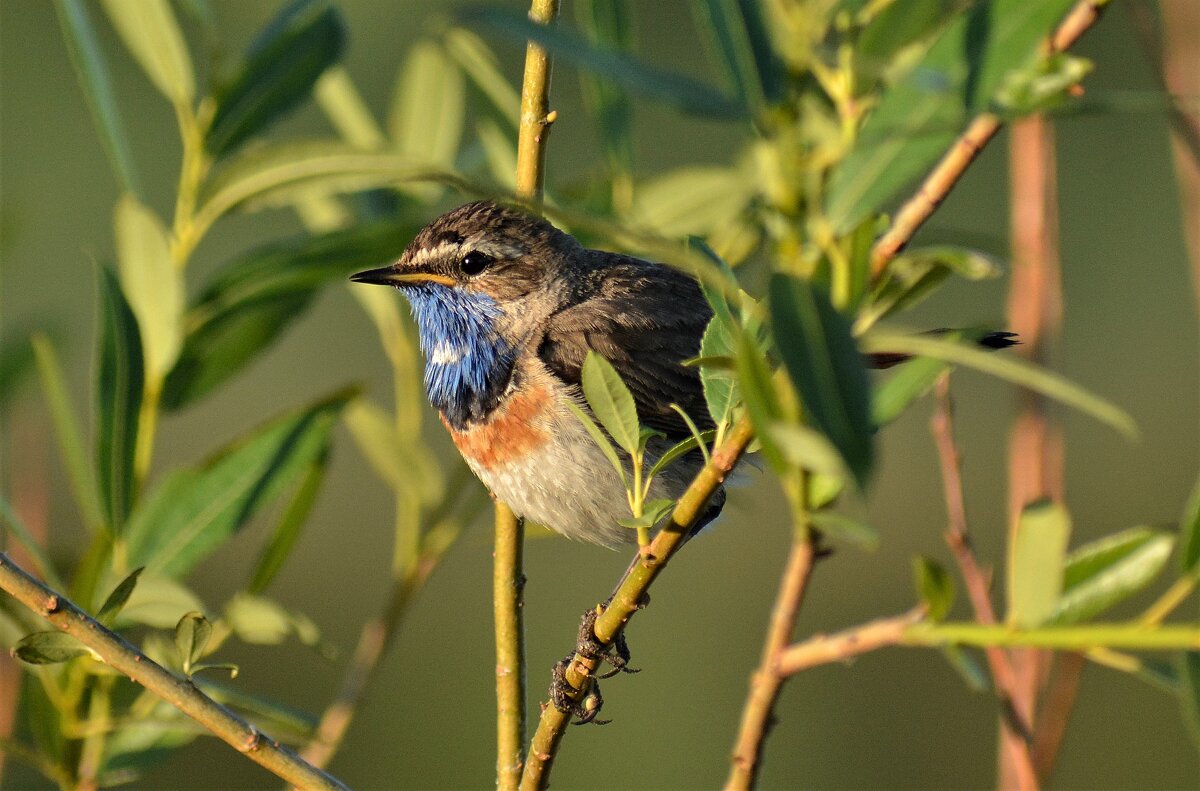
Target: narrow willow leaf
x=150, y=32
x=192, y=634
x=692, y=200
x=479, y=63
x=814, y=339
x=840, y=527
x=48, y=648
x=119, y=382
x=193, y=512
x=258, y=620
x=402, y=462
x=280, y=69
x=760, y=398
x=1106, y=572
x=1043, y=85
x=1189, y=539
x=919, y=117
x=934, y=586
x=608, y=24
x=68, y=434
x=346, y=109
x=1035, y=565
x=911, y=381
x=1005, y=367
x=426, y=117
x=807, y=448
x=892, y=37
x=725, y=27
x=721, y=392
x=601, y=440
x=500, y=151
x=152, y=283
x=610, y=401
x=287, y=531
x=118, y=598
x=96, y=80
x=680, y=449
x=1189, y=692
x=915, y=274
x=676, y=90
x=158, y=602
x=824, y=489
x=269, y=715
x=254, y=299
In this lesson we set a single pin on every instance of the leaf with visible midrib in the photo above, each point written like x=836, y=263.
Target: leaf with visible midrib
x=119, y=382
x=610, y=401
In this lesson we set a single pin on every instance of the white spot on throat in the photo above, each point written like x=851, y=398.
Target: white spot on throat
x=445, y=354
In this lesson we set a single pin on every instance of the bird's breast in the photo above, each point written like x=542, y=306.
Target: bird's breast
x=519, y=425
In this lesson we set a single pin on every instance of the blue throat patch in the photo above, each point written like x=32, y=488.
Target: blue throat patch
x=467, y=364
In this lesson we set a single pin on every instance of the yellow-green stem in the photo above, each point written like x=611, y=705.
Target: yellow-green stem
x=1132, y=636
x=1176, y=595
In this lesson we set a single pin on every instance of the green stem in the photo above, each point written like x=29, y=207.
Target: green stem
x=1176, y=595
x=508, y=583
x=1133, y=636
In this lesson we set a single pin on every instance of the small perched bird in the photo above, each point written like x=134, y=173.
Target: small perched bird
x=507, y=307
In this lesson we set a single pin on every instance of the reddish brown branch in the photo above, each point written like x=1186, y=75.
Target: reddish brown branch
x=849, y=643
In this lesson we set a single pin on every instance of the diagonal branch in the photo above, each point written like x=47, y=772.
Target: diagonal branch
x=123, y=657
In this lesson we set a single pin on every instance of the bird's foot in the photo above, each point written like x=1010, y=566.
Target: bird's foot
x=617, y=655
x=562, y=695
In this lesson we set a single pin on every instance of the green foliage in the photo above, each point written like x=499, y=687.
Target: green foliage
x=119, y=381
x=1105, y=572
x=935, y=587
x=1035, y=579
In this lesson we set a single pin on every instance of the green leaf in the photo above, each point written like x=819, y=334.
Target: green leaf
x=192, y=512
x=405, y=466
x=721, y=392
x=48, y=648
x=152, y=35
x=730, y=27
x=286, y=533
x=119, y=381
x=601, y=440
x=94, y=77
x=691, y=200
x=1044, y=85
x=807, y=448
x=915, y=274
x=426, y=116
x=1189, y=540
x=158, y=602
x=261, y=621
x=255, y=298
x=934, y=586
x=673, y=89
x=151, y=281
x=900, y=31
x=271, y=716
x=840, y=527
x=279, y=72
x=607, y=23
x=760, y=398
x=912, y=380
x=192, y=634
x=824, y=489
x=680, y=449
x=473, y=56
x=84, y=487
x=118, y=598
x=610, y=401
x=1036, y=563
x=1105, y=572
x=814, y=339
x=1005, y=367
x=1189, y=692
x=919, y=117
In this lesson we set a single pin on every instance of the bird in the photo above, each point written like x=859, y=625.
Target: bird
x=507, y=307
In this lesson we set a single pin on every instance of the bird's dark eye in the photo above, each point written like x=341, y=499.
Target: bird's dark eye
x=475, y=262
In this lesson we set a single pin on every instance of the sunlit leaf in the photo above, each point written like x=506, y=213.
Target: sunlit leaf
x=149, y=30
x=807, y=448
x=48, y=648
x=915, y=274
x=680, y=449
x=119, y=381
x=1005, y=367
x=1035, y=566
x=1044, y=85
x=824, y=363
x=258, y=620
x=610, y=401
x=287, y=530
x=279, y=72
x=934, y=586
x=118, y=598
x=94, y=76
x=157, y=601
x=472, y=54
x=192, y=634
x=600, y=438
x=192, y=512
x=151, y=281
x=911, y=381
x=426, y=116
x=840, y=527
x=691, y=200
x=1105, y=572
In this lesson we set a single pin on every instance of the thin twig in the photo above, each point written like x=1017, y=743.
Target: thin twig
x=507, y=576
x=757, y=715
x=824, y=649
x=629, y=597
x=937, y=185
x=123, y=657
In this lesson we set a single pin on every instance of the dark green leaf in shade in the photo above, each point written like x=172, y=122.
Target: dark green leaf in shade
x=1189, y=540
x=119, y=382
x=192, y=512
x=742, y=48
x=680, y=449
x=919, y=117
x=606, y=23
x=118, y=598
x=92, y=71
x=911, y=380
x=840, y=527
x=887, y=43
x=283, y=540
x=16, y=363
x=1189, y=692
x=48, y=648
x=760, y=398
x=255, y=298
x=1036, y=562
x=610, y=401
x=279, y=72
x=192, y=634
x=1105, y=572
x=670, y=88
x=824, y=363
x=934, y=586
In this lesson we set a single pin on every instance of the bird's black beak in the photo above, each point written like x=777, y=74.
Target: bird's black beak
x=390, y=276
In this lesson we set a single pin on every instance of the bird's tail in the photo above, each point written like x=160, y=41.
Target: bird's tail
x=992, y=340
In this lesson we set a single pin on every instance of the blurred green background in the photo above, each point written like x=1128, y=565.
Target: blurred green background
x=898, y=718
